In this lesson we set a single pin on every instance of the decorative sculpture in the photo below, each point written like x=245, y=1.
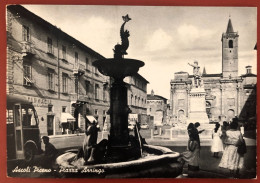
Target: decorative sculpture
x=120, y=49
x=196, y=74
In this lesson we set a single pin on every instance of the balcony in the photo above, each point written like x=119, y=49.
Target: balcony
x=27, y=48
x=79, y=99
x=79, y=69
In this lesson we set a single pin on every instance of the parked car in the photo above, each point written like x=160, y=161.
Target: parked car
x=144, y=126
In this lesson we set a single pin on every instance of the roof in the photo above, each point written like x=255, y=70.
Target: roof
x=11, y=100
x=140, y=77
x=181, y=72
x=208, y=75
x=229, y=27
x=28, y=14
x=155, y=97
x=249, y=75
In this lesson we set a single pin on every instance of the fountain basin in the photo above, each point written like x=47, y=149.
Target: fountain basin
x=159, y=162
x=118, y=68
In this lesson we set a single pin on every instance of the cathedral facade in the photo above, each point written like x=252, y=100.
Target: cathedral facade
x=228, y=95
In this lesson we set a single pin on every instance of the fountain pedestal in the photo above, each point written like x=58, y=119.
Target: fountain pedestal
x=119, y=148
x=119, y=115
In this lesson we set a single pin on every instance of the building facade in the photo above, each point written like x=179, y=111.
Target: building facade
x=137, y=96
x=227, y=94
x=54, y=71
x=157, y=109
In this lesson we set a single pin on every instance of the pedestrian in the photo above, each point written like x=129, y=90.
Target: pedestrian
x=196, y=125
x=231, y=159
x=50, y=153
x=217, y=145
x=192, y=155
x=224, y=129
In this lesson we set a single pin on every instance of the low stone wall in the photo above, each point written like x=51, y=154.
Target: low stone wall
x=181, y=132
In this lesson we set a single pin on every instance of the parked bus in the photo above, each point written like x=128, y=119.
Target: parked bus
x=23, y=134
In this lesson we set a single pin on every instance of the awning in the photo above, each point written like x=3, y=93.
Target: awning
x=28, y=79
x=67, y=117
x=91, y=119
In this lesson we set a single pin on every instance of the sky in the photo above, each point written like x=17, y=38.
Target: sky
x=165, y=38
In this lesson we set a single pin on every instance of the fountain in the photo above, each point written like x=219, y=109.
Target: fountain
x=126, y=156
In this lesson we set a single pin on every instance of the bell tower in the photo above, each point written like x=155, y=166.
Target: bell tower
x=230, y=52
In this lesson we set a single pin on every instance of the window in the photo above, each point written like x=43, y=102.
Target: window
x=96, y=71
x=230, y=43
x=64, y=83
x=9, y=116
x=248, y=92
x=50, y=47
x=28, y=118
x=26, y=33
x=104, y=112
x=96, y=91
x=76, y=59
x=64, y=52
x=50, y=108
x=51, y=79
x=87, y=65
x=96, y=112
x=104, y=94
x=64, y=108
x=208, y=91
x=27, y=75
x=87, y=83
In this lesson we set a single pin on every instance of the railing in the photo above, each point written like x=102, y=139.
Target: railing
x=79, y=69
x=27, y=48
x=79, y=97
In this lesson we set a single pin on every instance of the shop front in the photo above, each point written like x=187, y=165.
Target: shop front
x=67, y=123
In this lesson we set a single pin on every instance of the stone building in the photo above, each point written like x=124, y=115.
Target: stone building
x=54, y=71
x=157, y=109
x=137, y=97
x=228, y=95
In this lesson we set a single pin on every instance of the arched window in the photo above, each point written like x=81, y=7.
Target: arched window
x=230, y=43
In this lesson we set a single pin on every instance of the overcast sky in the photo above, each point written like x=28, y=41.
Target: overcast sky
x=165, y=38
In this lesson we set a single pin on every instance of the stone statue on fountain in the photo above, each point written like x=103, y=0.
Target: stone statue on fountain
x=120, y=49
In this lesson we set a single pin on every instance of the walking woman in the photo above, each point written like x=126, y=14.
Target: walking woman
x=217, y=145
x=192, y=155
x=231, y=159
x=224, y=129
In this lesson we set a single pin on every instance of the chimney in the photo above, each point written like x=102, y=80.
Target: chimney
x=152, y=93
x=249, y=69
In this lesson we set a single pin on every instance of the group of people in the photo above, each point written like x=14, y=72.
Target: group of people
x=226, y=138
x=229, y=140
